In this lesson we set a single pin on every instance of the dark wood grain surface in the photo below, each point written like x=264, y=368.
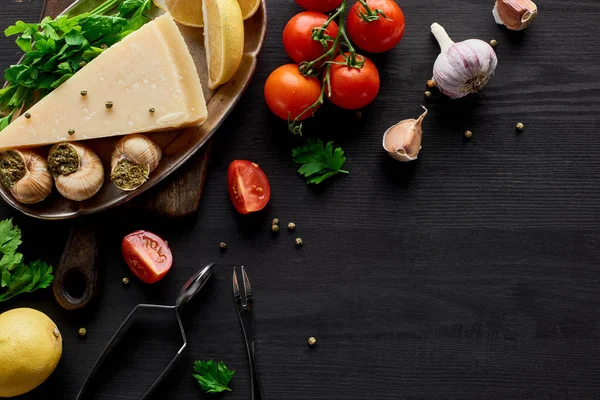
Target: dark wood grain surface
x=472, y=273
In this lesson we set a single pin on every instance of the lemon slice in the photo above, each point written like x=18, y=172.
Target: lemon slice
x=249, y=7
x=185, y=12
x=223, y=39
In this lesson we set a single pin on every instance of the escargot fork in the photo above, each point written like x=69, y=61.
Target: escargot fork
x=245, y=305
x=189, y=290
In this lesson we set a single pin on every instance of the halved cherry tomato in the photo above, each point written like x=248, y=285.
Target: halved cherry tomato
x=319, y=5
x=297, y=36
x=353, y=88
x=288, y=93
x=249, y=187
x=381, y=34
x=147, y=255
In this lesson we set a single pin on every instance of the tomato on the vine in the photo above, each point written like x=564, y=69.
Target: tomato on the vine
x=249, y=187
x=319, y=5
x=147, y=255
x=372, y=31
x=297, y=36
x=288, y=93
x=353, y=88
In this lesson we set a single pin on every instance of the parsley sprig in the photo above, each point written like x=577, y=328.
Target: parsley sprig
x=55, y=49
x=16, y=277
x=213, y=377
x=319, y=161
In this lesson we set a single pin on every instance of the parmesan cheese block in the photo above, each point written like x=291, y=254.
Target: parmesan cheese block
x=149, y=70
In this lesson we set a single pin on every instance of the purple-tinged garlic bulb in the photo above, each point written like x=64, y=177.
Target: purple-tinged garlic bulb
x=462, y=68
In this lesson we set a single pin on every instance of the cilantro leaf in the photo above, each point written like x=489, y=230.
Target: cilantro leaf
x=213, y=377
x=319, y=162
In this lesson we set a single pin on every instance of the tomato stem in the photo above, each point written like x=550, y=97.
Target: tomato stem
x=323, y=63
x=369, y=15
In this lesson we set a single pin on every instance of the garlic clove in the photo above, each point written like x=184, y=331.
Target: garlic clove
x=77, y=170
x=516, y=15
x=133, y=159
x=25, y=174
x=403, y=140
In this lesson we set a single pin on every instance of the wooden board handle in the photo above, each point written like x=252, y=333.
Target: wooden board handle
x=76, y=277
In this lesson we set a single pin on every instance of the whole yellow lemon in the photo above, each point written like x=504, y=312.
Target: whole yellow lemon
x=30, y=348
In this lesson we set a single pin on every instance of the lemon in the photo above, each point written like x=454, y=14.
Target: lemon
x=189, y=12
x=186, y=12
x=30, y=348
x=249, y=7
x=223, y=39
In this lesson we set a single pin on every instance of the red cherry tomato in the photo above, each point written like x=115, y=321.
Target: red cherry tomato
x=147, y=255
x=297, y=36
x=319, y=5
x=288, y=93
x=249, y=187
x=353, y=88
x=379, y=35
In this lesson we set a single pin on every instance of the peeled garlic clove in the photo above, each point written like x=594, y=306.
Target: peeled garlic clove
x=403, y=140
x=516, y=15
x=25, y=174
x=77, y=170
x=134, y=157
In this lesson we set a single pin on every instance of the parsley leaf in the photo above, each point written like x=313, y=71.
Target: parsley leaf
x=6, y=120
x=213, y=377
x=10, y=240
x=16, y=277
x=27, y=278
x=129, y=7
x=319, y=162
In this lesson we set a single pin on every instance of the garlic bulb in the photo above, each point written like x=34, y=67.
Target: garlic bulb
x=403, y=140
x=134, y=157
x=516, y=15
x=25, y=174
x=462, y=68
x=77, y=170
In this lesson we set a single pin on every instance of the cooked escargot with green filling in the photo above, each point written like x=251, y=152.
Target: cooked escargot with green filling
x=25, y=174
x=134, y=158
x=77, y=170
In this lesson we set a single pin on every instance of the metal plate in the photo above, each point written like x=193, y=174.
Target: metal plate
x=178, y=146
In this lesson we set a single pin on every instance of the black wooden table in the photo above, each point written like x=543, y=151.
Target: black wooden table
x=469, y=274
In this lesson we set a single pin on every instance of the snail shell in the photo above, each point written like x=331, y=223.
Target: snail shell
x=133, y=158
x=25, y=174
x=77, y=170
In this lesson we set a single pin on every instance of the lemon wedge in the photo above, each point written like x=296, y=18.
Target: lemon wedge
x=185, y=12
x=249, y=7
x=223, y=39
